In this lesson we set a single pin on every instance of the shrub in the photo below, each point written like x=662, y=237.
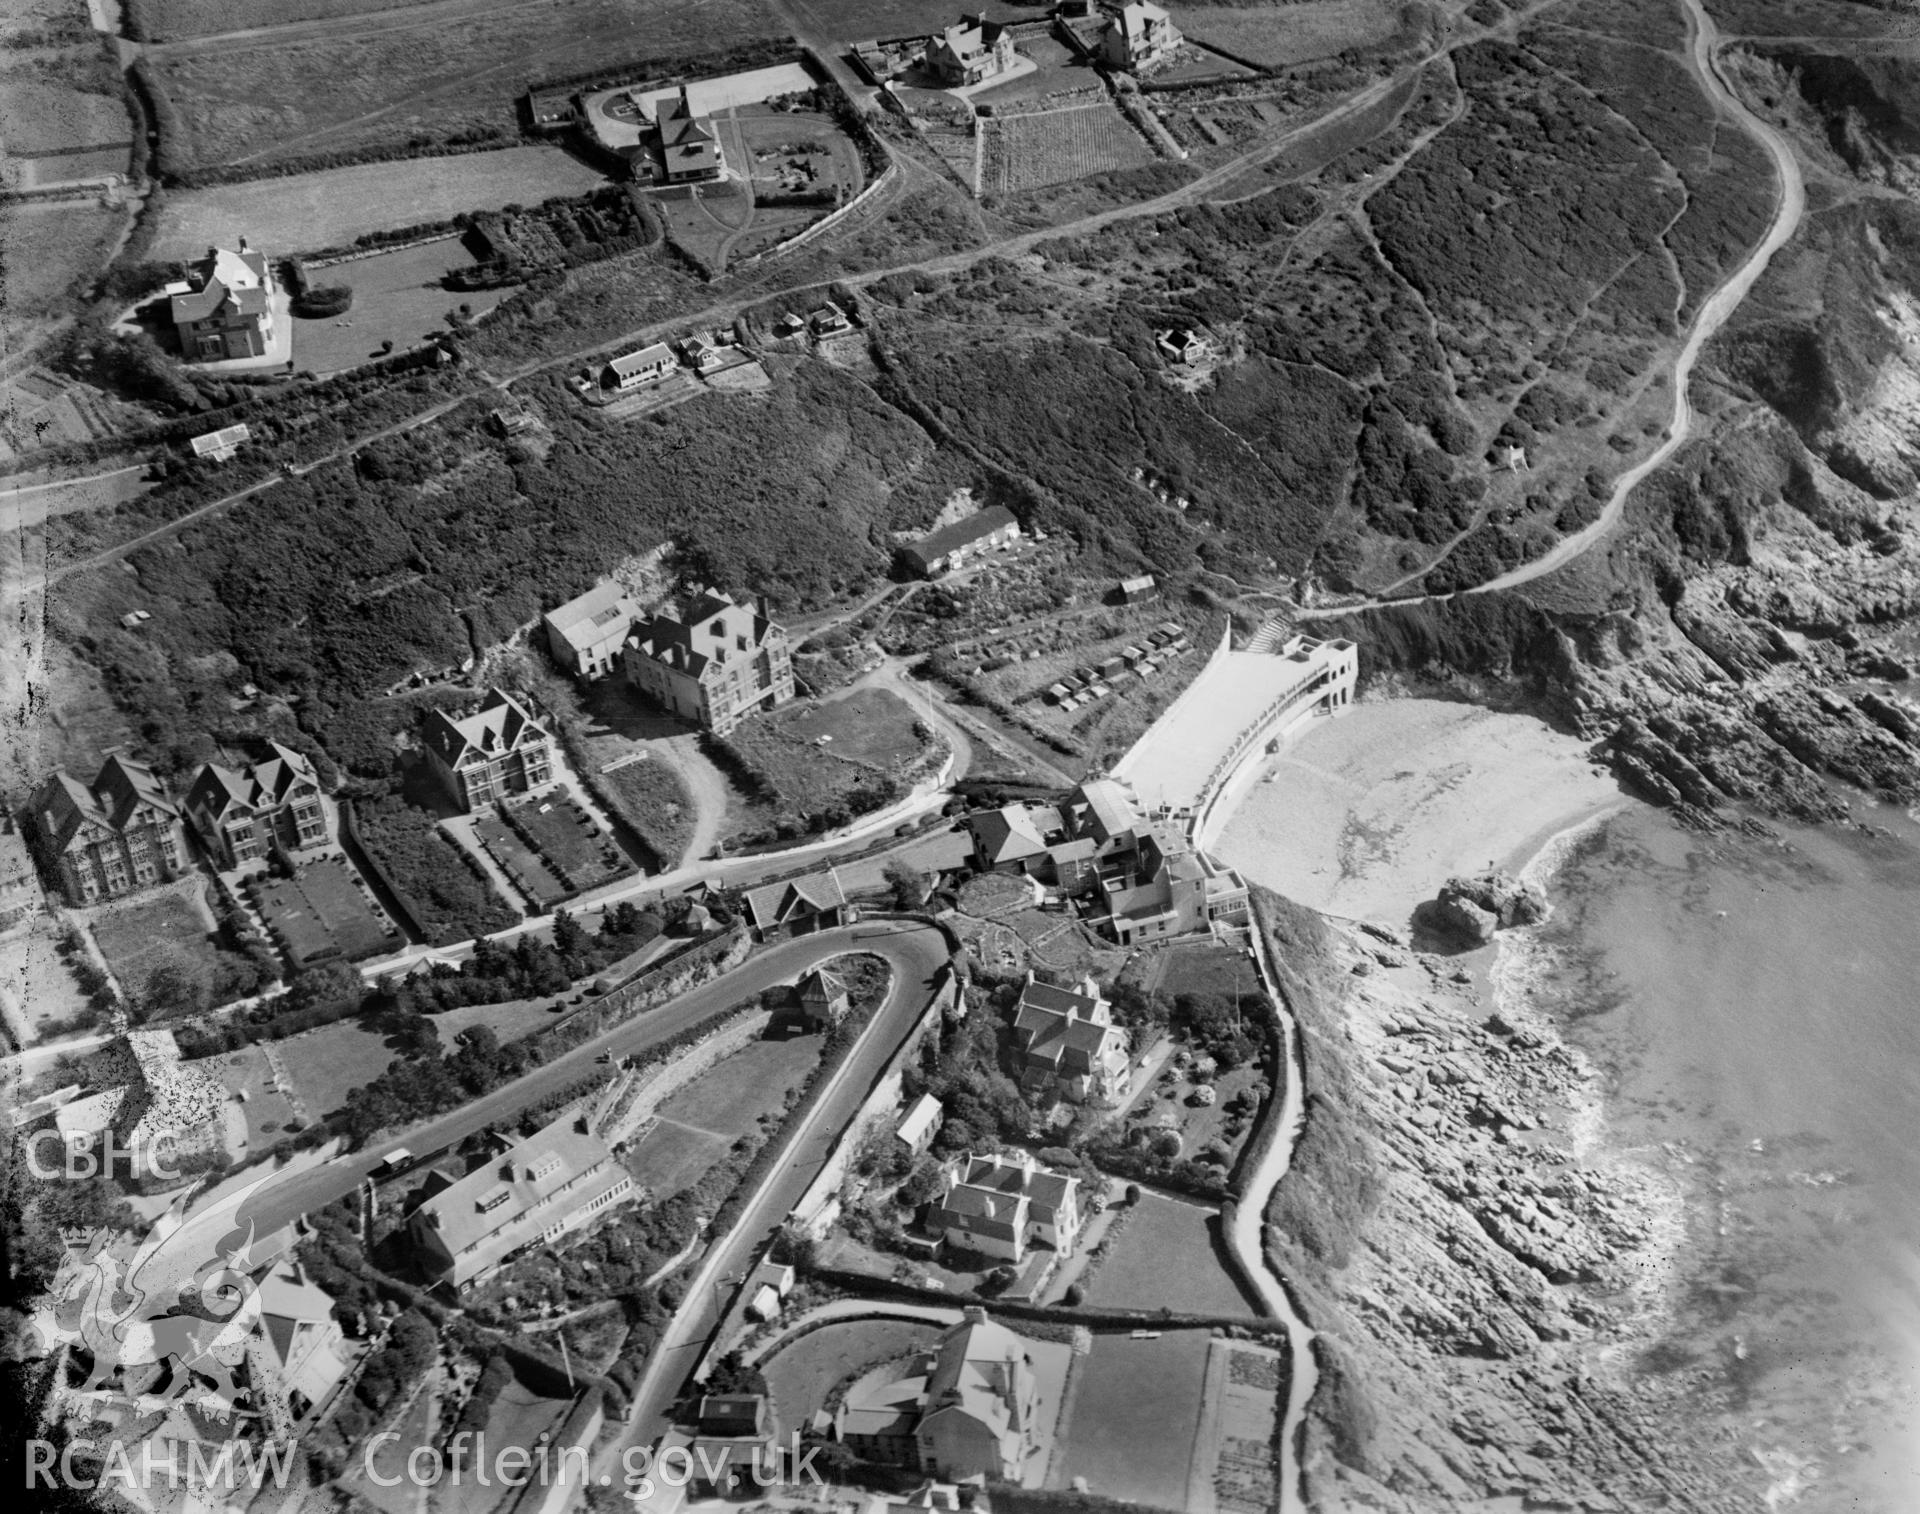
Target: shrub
x=326, y=300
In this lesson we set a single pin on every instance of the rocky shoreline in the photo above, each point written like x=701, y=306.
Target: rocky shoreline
x=1482, y=1310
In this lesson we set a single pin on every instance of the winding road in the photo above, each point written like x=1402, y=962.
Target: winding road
x=1714, y=313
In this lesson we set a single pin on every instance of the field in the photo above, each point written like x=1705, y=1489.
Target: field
x=810, y=778
x=312, y=211
x=170, y=19
x=1135, y=1415
x=51, y=118
x=801, y=1374
x=700, y=1122
x=49, y=246
x=1275, y=36
x=66, y=167
x=650, y=796
x=396, y=297
x=431, y=72
x=1164, y=1254
x=869, y=725
x=1029, y=152
x=570, y=843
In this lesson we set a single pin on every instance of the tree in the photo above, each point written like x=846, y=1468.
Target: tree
x=169, y=994
x=328, y=983
x=569, y=937
x=908, y=885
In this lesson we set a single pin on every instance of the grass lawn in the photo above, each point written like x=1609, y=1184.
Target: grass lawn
x=569, y=842
x=801, y=1374
x=246, y=1072
x=699, y=1123
x=520, y=862
x=168, y=19
x=339, y=901
x=1134, y=1418
x=869, y=725
x=397, y=297
x=310, y=211
x=1164, y=1255
x=651, y=798
x=329, y=1063
x=873, y=746
x=386, y=1462
x=137, y=936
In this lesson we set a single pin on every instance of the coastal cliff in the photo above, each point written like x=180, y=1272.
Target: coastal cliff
x=1480, y=1272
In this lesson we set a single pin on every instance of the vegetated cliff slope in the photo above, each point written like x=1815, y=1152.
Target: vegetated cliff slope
x=1472, y=1271
x=1740, y=637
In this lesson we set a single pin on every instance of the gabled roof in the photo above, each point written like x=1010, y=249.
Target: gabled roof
x=239, y=277
x=63, y=805
x=985, y=1371
x=918, y=1120
x=797, y=898
x=647, y=357
x=1139, y=18
x=265, y=785
x=1013, y=832
x=1109, y=809
x=499, y=726
x=707, y=638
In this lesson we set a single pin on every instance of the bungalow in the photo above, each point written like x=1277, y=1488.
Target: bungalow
x=1140, y=35
x=647, y=366
x=952, y=546
x=829, y=320
x=969, y=52
x=797, y=907
x=585, y=635
x=226, y=309
x=498, y=750
x=1179, y=344
x=701, y=352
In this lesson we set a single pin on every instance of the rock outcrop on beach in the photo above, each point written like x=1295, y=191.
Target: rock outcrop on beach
x=1478, y=1279
x=1470, y=910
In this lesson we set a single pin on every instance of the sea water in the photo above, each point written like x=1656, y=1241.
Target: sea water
x=1753, y=1006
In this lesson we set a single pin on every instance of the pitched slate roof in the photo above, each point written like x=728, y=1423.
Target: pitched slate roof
x=262, y=786
x=822, y=983
x=1013, y=832
x=962, y=533
x=121, y=788
x=984, y=1370
x=707, y=637
x=237, y=276
x=647, y=357
x=686, y=139
x=796, y=898
x=1110, y=810
x=499, y=726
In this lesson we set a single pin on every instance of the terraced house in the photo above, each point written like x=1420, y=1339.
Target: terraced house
x=498, y=750
x=226, y=311
x=723, y=662
x=556, y=1181
x=271, y=808
x=111, y=838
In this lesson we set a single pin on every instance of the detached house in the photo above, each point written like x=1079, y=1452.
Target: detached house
x=1066, y=1044
x=1139, y=35
x=970, y=52
x=982, y=1413
x=498, y=750
x=999, y=1206
x=305, y=1346
x=226, y=311
x=110, y=839
x=721, y=663
x=272, y=807
x=689, y=146
x=549, y=1185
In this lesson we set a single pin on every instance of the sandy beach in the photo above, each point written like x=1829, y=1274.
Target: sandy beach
x=1367, y=815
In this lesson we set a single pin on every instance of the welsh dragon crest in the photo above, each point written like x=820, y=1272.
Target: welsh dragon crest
x=180, y=1297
